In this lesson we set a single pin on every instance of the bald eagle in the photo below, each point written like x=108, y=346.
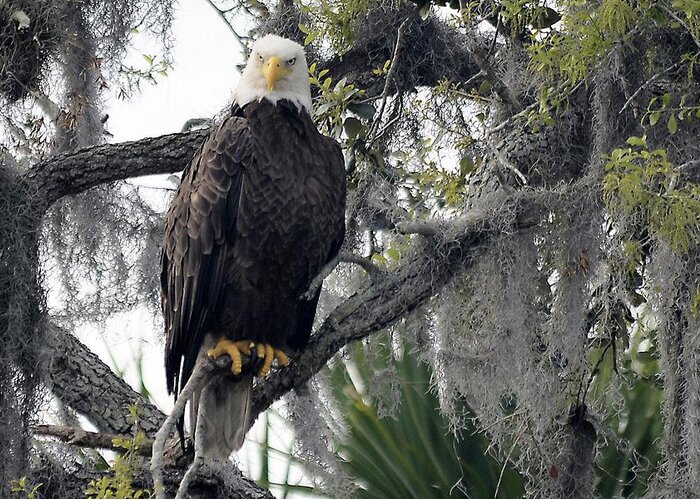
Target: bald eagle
x=259, y=212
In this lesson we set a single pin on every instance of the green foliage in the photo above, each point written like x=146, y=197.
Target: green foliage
x=588, y=33
x=334, y=20
x=333, y=103
x=691, y=10
x=392, y=255
x=645, y=183
x=156, y=66
x=119, y=482
x=660, y=106
x=22, y=487
x=626, y=466
x=413, y=454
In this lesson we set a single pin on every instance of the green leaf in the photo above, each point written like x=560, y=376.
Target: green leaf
x=672, y=124
x=363, y=110
x=310, y=37
x=353, y=127
x=466, y=166
x=340, y=85
x=654, y=118
x=485, y=88
x=393, y=254
x=637, y=141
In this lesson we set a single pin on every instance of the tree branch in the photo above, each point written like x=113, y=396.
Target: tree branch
x=221, y=480
x=73, y=173
x=79, y=437
x=392, y=70
x=365, y=263
x=81, y=380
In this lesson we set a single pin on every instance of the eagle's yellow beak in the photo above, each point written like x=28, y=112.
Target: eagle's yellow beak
x=273, y=70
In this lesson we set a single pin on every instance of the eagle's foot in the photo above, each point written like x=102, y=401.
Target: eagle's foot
x=234, y=350
x=268, y=354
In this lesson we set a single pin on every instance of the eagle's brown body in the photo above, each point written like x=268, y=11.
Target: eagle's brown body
x=259, y=212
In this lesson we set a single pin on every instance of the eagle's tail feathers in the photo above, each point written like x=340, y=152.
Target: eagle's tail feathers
x=225, y=414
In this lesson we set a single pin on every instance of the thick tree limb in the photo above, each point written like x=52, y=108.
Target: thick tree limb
x=82, y=381
x=70, y=480
x=73, y=173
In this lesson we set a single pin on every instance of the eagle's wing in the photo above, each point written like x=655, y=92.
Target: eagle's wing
x=198, y=230
x=333, y=221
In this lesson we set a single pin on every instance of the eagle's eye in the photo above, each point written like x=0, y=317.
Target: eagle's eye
x=260, y=58
x=291, y=61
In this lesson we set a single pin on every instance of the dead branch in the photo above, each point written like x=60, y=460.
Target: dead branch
x=366, y=264
x=201, y=376
x=392, y=70
x=79, y=437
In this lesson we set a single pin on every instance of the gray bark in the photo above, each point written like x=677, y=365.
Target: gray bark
x=81, y=380
x=73, y=173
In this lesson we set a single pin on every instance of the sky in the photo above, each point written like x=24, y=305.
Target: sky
x=199, y=85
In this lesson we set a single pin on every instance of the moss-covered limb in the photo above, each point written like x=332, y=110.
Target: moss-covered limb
x=73, y=173
x=71, y=480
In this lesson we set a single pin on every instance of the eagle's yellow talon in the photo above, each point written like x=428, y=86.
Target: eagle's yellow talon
x=281, y=357
x=267, y=364
x=245, y=347
x=260, y=349
x=234, y=350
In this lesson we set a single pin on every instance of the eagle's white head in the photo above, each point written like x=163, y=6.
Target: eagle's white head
x=276, y=70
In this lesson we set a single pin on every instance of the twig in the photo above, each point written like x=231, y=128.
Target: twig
x=322, y=275
x=521, y=431
x=392, y=70
x=499, y=86
x=363, y=262
x=198, y=447
x=688, y=164
x=424, y=228
x=222, y=15
x=200, y=378
x=79, y=437
x=650, y=80
x=532, y=106
x=392, y=121
x=495, y=37
x=680, y=21
x=505, y=162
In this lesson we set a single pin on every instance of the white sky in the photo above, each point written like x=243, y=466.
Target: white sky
x=204, y=73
